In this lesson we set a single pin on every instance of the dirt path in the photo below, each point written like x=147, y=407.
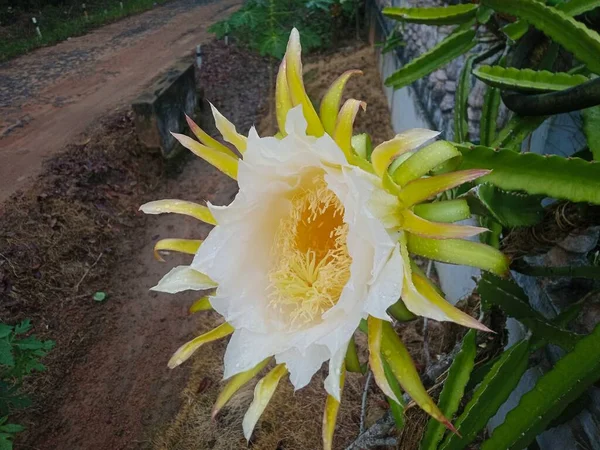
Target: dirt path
x=107, y=385
x=50, y=96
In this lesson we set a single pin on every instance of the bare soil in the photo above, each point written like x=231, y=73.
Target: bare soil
x=50, y=96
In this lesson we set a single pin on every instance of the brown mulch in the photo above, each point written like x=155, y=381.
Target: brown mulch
x=60, y=241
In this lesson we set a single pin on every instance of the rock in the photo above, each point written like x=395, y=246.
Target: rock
x=451, y=86
x=160, y=109
x=473, y=130
x=581, y=242
x=440, y=75
x=474, y=114
x=438, y=92
x=453, y=68
x=477, y=94
x=447, y=103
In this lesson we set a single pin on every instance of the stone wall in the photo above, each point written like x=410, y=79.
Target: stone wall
x=435, y=93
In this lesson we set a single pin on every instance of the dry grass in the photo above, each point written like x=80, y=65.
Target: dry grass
x=291, y=421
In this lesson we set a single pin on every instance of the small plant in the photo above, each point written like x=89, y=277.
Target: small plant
x=264, y=25
x=19, y=356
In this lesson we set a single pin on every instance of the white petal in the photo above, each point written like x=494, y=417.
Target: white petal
x=236, y=255
x=387, y=288
x=302, y=366
x=183, y=278
x=329, y=151
x=246, y=349
x=386, y=208
x=295, y=123
x=332, y=382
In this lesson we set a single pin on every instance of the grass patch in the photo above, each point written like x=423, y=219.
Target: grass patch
x=58, y=23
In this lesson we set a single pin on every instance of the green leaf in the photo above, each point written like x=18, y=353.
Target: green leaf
x=480, y=372
x=517, y=29
x=511, y=209
x=6, y=356
x=573, y=409
x=12, y=428
x=491, y=237
x=392, y=41
x=491, y=393
x=272, y=44
x=6, y=442
x=99, y=296
x=445, y=15
x=547, y=333
x=489, y=116
x=23, y=327
x=453, y=390
x=397, y=409
x=29, y=343
x=450, y=48
x=577, y=7
x=400, y=312
x=352, y=362
x=11, y=399
x=514, y=302
x=553, y=392
x=591, y=128
x=5, y=330
x=484, y=14
x=550, y=175
x=506, y=294
x=527, y=80
x=549, y=59
x=568, y=314
x=461, y=122
x=516, y=130
x=566, y=31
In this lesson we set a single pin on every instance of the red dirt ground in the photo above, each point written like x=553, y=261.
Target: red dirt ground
x=50, y=96
x=107, y=384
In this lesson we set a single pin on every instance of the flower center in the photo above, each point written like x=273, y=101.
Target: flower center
x=312, y=264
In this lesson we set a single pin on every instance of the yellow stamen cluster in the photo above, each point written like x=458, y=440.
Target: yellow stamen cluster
x=311, y=260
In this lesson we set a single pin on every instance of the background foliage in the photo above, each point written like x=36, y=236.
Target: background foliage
x=57, y=20
x=20, y=356
x=264, y=25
